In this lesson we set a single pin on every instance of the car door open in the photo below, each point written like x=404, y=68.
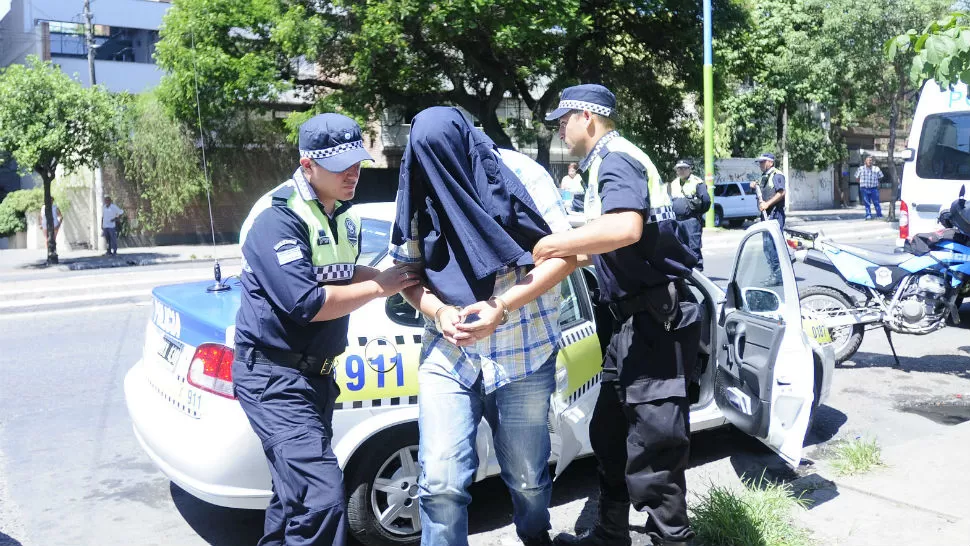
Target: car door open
x=765, y=368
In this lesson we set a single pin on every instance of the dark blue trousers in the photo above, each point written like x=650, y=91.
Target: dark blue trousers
x=292, y=414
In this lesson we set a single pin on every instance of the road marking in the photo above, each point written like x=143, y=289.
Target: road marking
x=73, y=310
x=75, y=299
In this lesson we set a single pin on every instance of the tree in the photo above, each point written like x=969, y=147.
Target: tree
x=49, y=120
x=398, y=56
x=159, y=158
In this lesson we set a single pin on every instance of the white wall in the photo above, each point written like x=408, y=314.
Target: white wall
x=806, y=190
x=116, y=76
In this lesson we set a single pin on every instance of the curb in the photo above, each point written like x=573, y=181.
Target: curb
x=37, y=307
x=133, y=262
x=720, y=241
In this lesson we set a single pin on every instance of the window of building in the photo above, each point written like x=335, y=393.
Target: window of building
x=131, y=45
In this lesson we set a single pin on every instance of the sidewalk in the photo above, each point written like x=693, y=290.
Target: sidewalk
x=840, y=224
x=920, y=497
x=74, y=260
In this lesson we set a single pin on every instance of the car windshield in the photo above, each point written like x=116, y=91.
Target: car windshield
x=374, y=240
x=944, y=147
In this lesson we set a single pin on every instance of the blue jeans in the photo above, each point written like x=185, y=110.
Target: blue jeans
x=111, y=237
x=449, y=415
x=870, y=196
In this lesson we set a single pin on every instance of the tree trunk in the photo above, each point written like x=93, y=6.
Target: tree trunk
x=49, y=217
x=543, y=143
x=893, y=119
x=493, y=128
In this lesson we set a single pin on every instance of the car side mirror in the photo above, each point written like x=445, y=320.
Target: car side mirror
x=401, y=312
x=759, y=300
x=908, y=154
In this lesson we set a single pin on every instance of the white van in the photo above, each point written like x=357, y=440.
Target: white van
x=938, y=157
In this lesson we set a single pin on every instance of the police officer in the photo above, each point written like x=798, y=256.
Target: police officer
x=639, y=430
x=772, y=203
x=300, y=281
x=772, y=189
x=690, y=199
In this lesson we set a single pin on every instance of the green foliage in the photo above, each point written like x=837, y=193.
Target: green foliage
x=941, y=52
x=394, y=57
x=161, y=161
x=14, y=208
x=47, y=119
x=759, y=513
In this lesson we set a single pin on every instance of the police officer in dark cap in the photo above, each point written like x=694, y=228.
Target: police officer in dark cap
x=300, y=281
x=639, y=430
x=690, y=199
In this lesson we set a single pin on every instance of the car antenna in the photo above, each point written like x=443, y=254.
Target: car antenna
x=218, y=285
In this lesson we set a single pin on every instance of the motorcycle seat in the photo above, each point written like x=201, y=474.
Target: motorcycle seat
x=876, y=257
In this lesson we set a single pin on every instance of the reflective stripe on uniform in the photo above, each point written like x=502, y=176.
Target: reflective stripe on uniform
x=333, y=272
x=660, y=204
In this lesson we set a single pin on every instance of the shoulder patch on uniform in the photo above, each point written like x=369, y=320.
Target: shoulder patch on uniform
x=283, y=243
x=282, y=195
x=290, y=255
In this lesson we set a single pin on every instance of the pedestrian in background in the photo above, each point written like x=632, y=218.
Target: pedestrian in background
x=56, y=213
x=573, y=183
x=868, y=176
x=300, y=282
x=640, y=428
x=469, y=215
x=690, y=199
x=109, y=218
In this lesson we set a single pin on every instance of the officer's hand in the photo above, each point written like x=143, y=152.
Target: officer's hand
x=763, y=206
x=544, y=249
x=489, y=318
x=396, y=278
x=752, y=184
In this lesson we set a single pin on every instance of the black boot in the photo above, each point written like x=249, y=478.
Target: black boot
x=612, y=529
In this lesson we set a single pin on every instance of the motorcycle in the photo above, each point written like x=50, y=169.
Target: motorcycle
x=916, y=291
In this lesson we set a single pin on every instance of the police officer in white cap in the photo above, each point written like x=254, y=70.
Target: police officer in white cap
x=640, y=430
x=300, y=282
x=689, y=197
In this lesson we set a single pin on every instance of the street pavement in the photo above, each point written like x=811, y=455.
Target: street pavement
x=71, y=471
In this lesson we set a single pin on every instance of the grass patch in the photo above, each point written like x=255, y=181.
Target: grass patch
x=759, y=514
x=856, y=456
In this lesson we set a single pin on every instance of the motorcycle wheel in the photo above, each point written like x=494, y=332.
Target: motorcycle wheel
x=845, y=339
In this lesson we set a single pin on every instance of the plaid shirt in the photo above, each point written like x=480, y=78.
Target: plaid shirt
x=517, y=348
x=869, y=177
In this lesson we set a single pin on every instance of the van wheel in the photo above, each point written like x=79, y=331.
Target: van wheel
x=718, y=217
x=382, y=501
x=824, y=299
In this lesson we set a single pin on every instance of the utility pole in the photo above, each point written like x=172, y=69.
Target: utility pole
x=708, y=110
x=96, y=241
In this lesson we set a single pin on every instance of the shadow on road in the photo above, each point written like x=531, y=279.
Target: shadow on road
x=957, y=365
x=123, y=259
x=6, y=540
x=217, y=525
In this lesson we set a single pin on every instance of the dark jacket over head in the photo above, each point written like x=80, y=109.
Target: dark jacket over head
x=474, y=216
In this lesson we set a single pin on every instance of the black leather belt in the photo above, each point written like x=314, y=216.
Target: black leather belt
x=306, y=364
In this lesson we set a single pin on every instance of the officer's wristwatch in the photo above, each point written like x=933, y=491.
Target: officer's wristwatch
x=505, y=308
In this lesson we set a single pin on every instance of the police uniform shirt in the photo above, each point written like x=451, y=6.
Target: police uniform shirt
x=281, y=294
x=659, y=256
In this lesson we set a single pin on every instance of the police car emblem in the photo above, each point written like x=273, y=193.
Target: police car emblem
x=322, y=238
x=884, y=276
x=351, y=231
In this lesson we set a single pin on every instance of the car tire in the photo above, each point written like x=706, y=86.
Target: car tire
x=850, y=338
x=718, y=217
x=379, y=479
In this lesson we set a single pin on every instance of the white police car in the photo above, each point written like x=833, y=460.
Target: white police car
x=757, y=370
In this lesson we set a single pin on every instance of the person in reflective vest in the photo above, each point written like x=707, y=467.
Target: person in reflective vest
x=690, y=199
x=639, y=431
x=300, y=281
x=773, y=188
